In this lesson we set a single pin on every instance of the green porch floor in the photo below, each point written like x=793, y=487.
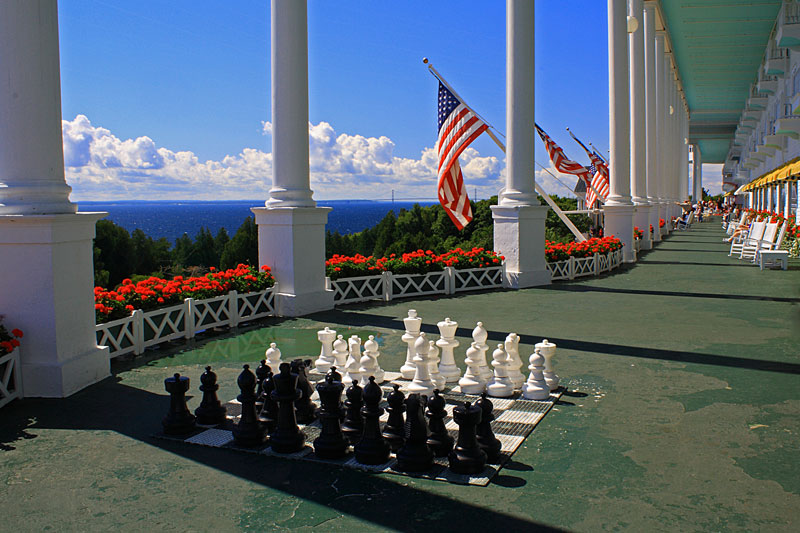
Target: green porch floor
x=683, y=414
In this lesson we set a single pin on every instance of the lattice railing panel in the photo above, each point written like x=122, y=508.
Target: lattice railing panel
x=211, y=312
x=558, y=270
x=404, y=285
x=473, y=279
x=118, y=335
x=253, y=305
x=360, y=289
x=163, y=325
x=604, y=262
x=583, y=266
x=10, y=383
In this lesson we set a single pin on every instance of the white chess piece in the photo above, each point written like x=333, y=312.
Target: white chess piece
x=273, y=355
x=500, y=386
x=353, y=363
x=479, y=335
x=447, y=342
x=354, y=347
x=413, y=324
x=536, y=387
x=422, y=381
x=340, y=352
x=437, y=378
x=326, y=360
x=514, y=362
x=472, y=382
x=548, y=350
x=369, y=363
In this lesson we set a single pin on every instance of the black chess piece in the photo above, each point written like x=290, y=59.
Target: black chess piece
x=395, y=429
x=415, y=455
x=210, y=412
x=372, y=449
x=467, y=456
x=353, y=425
x=287, y=437
x=268, y=416
x=440, y=440
x=304, y=406
x=179, y=421
x=335, y=376
x=331, y=444
x=486, y=439
x=261, y=373
x=248, y=432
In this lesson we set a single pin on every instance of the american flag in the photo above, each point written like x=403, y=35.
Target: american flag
x=560, y=161
x=458, y=127
x=599, y=181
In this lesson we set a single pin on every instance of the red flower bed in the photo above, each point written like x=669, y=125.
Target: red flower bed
x=153, y=292
x=8, y=341
x=558, y=251
x=637, y=233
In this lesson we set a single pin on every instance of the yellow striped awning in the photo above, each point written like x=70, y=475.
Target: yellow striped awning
x=787, y=172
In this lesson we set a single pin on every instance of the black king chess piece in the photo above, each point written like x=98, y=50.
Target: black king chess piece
x=331, y=444
x=415, y=455
x=467, y=457
x=268, y=416
x=353, y=425
x=179, y=421
x=261, y=373
x=440, y=440
x=210, y=412
x=248, y=432
x=287, y=437
x=395, y=429
x=304, y=407
x=486, y=439
x=372, y=449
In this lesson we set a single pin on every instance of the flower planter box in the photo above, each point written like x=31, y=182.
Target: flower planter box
x=10, y=377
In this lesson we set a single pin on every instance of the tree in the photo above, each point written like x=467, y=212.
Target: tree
x=115, y=255
x=243, y=247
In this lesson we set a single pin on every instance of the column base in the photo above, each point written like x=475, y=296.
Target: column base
x=641, y=219
x=654, y=210
x=519, y=237
x=619, y=223
x=291, y=241
x=61, y=379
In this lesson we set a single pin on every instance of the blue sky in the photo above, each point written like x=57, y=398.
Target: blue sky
x=173, y=98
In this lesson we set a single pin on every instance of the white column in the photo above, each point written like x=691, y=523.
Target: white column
x=770, y=195
x=641, y=217
x=697, y=174
x=291, y=229
x=619, y=208
x=518, y=217
x=662, y=112
x=652, y=126
x=787, y=201
x=46, y=279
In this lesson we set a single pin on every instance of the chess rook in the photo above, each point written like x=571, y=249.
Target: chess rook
x=413, y=324
x=179, y=421
x=211, y=411
x=448, y=343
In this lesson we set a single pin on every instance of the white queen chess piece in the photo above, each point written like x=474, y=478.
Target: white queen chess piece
x=500, y=386
x=479, y=335
x=340, y=352
x=536, y=387
x=447, y=342
x=273, y=355
x=548, y=350
x=422, y=383
x=325, y=360
x=437, y=378
x=369, y=363
x=472, y=382
x=413, y=324
x=514, y=362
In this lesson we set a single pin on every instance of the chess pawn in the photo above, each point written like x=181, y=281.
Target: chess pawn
x=248, y=431
x=369, y=363
x=536, y=387
x=179, y=421
x=287, y=437
x=261, y=372
x=467, y=456
x=273, y=355
x=331, y=444
x=437, y=378
x=472, y=382
x=486, y=439
x=372, y=448
x=304, y=407
x=353, y=425
x=395, y=429
x=374, y=351
x=210, y=412
x=413, y=324
x=340, y=353
x=415, y=455
x=353, y=363
x=447, y=342
x=479, y=336
x=440, y=440
x=548, y=350
x=325, y=360
x=422, y=380
x=500, y=386
x=514, y=363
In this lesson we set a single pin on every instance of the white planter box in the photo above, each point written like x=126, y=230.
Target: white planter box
x=10, y=377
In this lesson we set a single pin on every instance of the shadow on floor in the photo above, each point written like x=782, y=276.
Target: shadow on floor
x=591, y=288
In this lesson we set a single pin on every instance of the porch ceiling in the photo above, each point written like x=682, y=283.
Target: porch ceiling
x=718, y=46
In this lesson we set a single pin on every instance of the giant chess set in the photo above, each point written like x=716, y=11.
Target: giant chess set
x=427, y=420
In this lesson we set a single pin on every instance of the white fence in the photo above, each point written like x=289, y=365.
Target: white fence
x=134, y=333
x=10, y=377
x=585, y=266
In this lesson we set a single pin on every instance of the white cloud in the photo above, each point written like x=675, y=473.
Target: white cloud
x=101, y=166
x=712, y=178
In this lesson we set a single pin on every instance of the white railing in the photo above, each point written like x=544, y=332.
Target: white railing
x=578, y=267
x=10, y=377
x=147, y=328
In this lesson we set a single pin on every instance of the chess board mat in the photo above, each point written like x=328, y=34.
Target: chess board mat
x=515, y=419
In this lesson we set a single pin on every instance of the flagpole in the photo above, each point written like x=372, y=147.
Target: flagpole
x=575, y=231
